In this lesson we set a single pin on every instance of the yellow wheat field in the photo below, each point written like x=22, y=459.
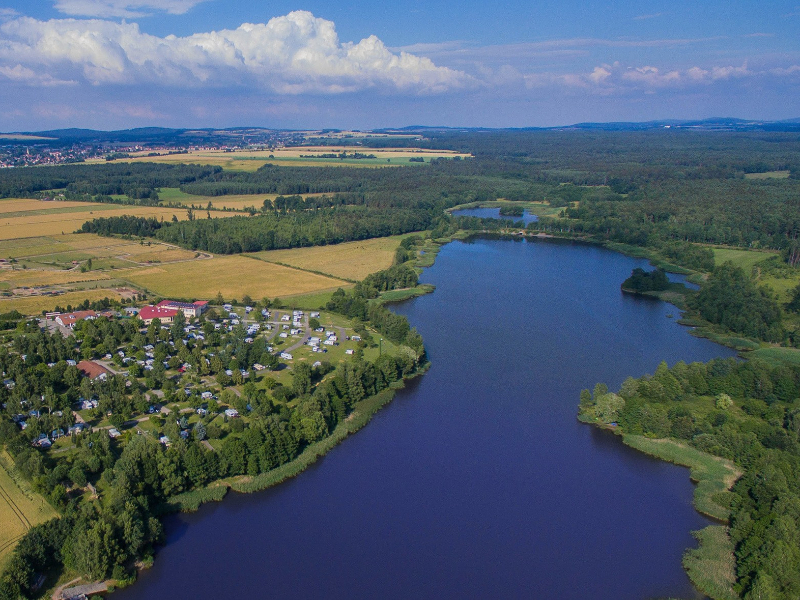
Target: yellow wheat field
x=34, y=305
x=233, y=276
x=351, y=260
x=39, y=277
x=56, y=224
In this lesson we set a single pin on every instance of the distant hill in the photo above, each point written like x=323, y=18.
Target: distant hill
x=260, y=135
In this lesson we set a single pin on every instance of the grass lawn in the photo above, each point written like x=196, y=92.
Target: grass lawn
x=740, y=258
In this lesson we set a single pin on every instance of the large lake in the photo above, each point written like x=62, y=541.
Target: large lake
x=477, y=481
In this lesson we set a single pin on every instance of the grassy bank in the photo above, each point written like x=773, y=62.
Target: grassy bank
x=711, y=566
x=714, y=476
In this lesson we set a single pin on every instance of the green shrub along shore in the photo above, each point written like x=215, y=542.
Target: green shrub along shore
x=736, y=425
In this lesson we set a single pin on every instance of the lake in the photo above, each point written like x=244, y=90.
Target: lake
x=494, y=213
x=476, y=481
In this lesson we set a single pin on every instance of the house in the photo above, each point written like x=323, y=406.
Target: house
x=93, y=370
x=190, y=310
x=68, y=320
x=165, y=315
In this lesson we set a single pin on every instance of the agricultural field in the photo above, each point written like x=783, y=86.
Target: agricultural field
x=351, y=260
x=232, y=276
x=252, y=160
x=230, y=202
x=48, y=270
x=36, y=218
x=19, y=510
x=34, y=305
x=41, y=267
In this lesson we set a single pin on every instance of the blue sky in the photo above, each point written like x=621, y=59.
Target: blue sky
x=111, y=64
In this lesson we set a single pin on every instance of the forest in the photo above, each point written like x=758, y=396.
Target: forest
x=747, y=412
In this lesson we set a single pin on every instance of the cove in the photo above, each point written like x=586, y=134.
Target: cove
x=477, y=481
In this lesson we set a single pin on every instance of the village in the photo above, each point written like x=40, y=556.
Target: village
x=181, y=396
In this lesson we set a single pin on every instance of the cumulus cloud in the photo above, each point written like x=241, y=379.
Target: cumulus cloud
x=124, y=8
x=293, y=54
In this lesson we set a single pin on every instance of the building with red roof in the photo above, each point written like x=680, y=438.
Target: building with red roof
x=165, y=315
x=93, y=370
x=190, y=310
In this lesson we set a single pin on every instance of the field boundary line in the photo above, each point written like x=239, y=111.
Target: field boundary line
x=288, y=266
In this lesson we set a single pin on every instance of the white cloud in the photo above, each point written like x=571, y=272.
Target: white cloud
x=293, y=54
x=124, y=8
x=600, y=74
x=24, y=75
x=651, y=76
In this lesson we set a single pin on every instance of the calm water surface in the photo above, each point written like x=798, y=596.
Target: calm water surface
x=494, y=213
x=477, y=481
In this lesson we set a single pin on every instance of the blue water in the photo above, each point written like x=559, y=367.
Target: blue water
x=477, y=481
x=494, y=213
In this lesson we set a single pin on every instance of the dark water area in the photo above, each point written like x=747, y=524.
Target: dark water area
x=476, y=481
x=678, y=278
x=494, y=213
